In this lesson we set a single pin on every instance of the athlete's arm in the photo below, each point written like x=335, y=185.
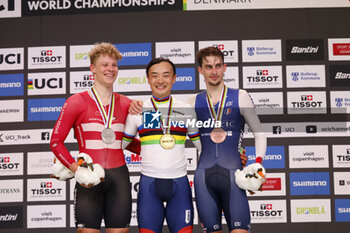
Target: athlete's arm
x=130, y=129
x=247, y=110
x=135, y=107
x=192, y=131
x=70, y=112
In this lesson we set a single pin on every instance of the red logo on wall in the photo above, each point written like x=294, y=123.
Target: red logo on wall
x=341, y=49
x=272, y=184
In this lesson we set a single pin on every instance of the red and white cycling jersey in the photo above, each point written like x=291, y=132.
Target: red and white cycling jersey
x=81, y=112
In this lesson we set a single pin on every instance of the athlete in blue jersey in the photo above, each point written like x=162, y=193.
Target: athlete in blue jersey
x=215, y=186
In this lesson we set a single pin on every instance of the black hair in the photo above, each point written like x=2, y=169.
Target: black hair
x=159, y=60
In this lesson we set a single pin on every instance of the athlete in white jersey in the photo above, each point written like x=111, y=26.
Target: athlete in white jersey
x=163, y=167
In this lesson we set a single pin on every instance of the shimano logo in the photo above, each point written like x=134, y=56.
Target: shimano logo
x=184, y=79
x=309, y=49
x=341, y=75
x=10, y=85
x=344, y=210
x=45, y=109
x=309, y=183
x=136, y=54
x=267, y=157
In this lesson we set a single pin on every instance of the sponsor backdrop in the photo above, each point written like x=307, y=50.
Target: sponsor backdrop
x=293, y=57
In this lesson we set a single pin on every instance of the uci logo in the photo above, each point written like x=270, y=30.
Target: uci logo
x=10, y=8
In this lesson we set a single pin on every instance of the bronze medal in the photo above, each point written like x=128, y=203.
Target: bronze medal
x=218, y=135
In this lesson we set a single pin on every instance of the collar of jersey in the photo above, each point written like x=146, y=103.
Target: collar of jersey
x=162, y=100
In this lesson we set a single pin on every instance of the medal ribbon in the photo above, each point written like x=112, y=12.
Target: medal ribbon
x=217, y=115
x=169, y=112
x=107, y=119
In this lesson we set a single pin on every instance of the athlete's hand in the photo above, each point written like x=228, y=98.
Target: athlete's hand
x=251, y=178
x=135, y=107
x=60, y=172
x=244, y=157
x=88, y=174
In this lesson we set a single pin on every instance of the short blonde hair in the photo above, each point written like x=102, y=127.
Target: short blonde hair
x=102, y=49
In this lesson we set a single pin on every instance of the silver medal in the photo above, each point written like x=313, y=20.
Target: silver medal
x=108, y=136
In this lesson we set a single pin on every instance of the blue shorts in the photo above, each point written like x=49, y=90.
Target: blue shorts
x=178, y=208
x=216, y=191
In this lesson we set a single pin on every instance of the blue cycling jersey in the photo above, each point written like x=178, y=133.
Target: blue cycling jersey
x=224, y=154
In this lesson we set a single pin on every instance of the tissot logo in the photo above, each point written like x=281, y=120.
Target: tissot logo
x=229, y=48
x=266, y=206
x=6, y=164
x=44, y=189
x=46, y=57
x=88, y=77
x=262, y=76
x=80, y=81
x=339, y=75
x=311, y=102
x=268, y=211
x=300, y=50
x=306, y=101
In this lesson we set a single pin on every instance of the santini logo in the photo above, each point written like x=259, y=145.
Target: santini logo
x=309, y=49
x=341, y=75
x=8, y=217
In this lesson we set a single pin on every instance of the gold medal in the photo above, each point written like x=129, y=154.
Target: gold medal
x=167, y=141
x=218, y=135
